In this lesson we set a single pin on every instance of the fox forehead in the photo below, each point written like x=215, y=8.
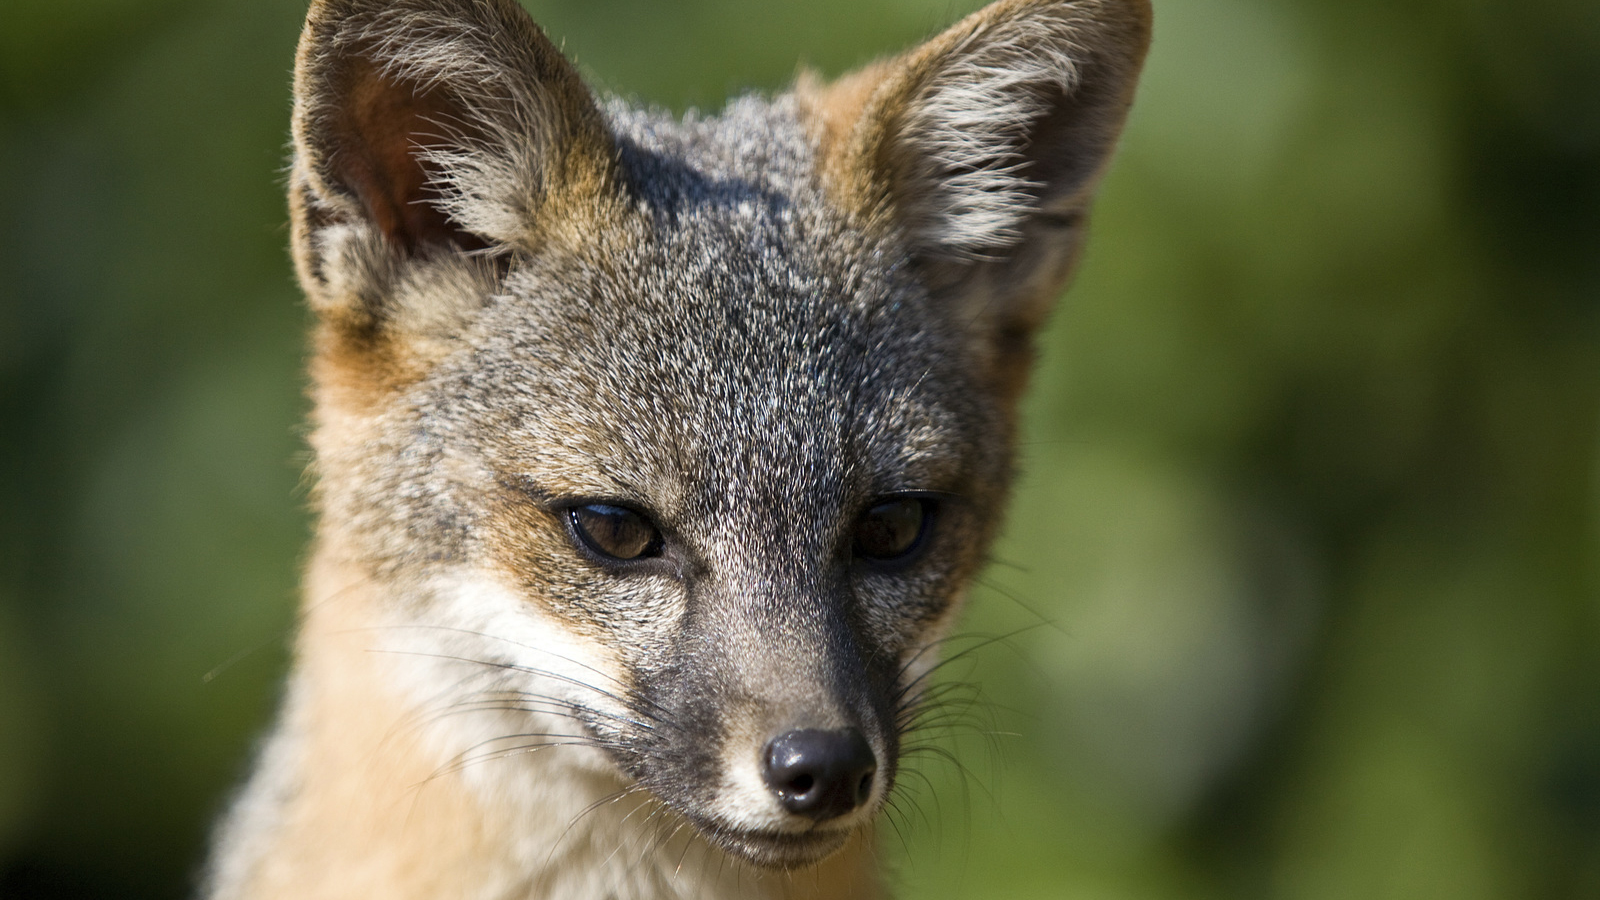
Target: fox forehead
x=727, y=339
x=677, y=387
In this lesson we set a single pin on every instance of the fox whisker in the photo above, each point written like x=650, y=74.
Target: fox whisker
x=505, y=640
x=614, y=797
x=983, y=642
x=461, y=761
x=555, y=706
x=510, y=667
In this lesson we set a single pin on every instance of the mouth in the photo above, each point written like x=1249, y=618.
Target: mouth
x=773, y=849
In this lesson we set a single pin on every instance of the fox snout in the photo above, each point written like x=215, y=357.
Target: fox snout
x=796, y=797
x=783, y=740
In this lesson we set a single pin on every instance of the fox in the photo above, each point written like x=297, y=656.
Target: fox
x=652, y=456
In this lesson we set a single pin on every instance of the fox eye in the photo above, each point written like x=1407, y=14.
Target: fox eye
x=892, y=529
x=614, y=532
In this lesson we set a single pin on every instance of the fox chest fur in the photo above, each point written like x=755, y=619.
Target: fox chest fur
x=652, y=456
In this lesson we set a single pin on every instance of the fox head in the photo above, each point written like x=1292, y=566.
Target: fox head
x=680, y=440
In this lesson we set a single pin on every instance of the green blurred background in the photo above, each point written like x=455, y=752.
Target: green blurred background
x=1311, y=473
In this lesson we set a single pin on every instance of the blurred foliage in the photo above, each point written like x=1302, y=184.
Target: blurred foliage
x=1299, y=595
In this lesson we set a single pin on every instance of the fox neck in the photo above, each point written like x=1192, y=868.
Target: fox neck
x=362, y=793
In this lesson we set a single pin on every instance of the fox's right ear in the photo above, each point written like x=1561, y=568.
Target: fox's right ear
x=983, y=149
x=437, y=131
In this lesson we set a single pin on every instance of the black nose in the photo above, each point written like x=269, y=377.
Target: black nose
x=820, y=774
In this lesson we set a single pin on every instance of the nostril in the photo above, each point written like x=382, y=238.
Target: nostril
x=820, y=774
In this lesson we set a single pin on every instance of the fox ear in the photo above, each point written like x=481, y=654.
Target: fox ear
x=984, y=147
x=431, y=129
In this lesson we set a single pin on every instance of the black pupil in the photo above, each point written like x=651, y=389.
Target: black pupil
x=890, y=529
x=615, y=531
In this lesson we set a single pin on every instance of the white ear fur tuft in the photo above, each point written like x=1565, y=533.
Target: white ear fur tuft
x=441, y=121
x=982, y=150
x=488, y=155
x=976, y=119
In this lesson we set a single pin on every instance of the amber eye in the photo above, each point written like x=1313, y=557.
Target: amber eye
x=893, y=528
x=615, y=531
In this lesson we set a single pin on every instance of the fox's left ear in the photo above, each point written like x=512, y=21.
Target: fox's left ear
x=984, y=148
x=430, y=138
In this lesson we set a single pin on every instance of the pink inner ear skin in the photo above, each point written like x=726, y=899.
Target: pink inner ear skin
x=386, y=124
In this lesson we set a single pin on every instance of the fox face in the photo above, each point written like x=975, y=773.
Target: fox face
x=707, y=463
x=674, y=443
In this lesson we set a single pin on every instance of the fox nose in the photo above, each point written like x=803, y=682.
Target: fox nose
x=820, y=774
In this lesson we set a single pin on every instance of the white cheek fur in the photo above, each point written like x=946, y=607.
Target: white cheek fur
x=497, y=678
